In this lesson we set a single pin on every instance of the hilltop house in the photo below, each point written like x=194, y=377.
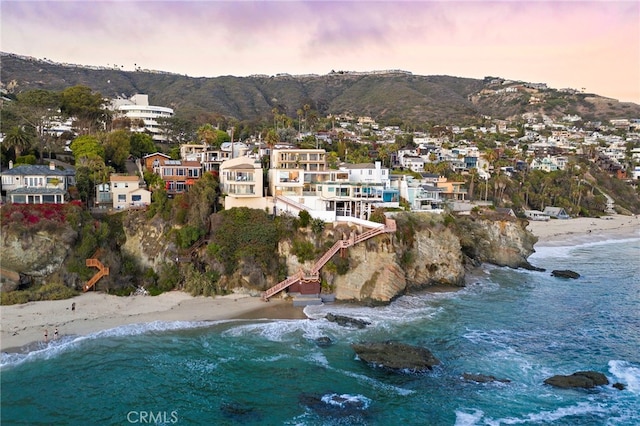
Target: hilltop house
x=28, y=184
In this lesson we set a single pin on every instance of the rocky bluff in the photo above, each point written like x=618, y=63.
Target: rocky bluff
x=426, y=250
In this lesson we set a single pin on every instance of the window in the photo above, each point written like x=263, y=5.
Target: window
x=122, y=198
x=136, y=198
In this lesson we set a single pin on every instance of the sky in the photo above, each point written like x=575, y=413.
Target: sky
x=566, y=44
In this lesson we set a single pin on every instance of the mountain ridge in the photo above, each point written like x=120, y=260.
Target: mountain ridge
x=382, y=95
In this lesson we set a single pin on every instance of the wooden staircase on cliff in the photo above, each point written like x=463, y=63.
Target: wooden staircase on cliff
x=103, y=271
x=314, y=274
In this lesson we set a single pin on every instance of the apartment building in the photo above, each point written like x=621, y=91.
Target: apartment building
x=138, y=110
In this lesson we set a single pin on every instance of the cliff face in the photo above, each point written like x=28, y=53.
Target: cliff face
x=35, y=254
x=147, y=240
x=426, y=252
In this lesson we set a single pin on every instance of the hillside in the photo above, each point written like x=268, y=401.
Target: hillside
x=410, y=98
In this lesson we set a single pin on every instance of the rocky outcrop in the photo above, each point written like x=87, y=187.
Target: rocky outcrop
x=565, y=273
x=147, y=240
x=36, y=254
x=426, y=250
x=501, y=242
x=396, y=356
x=345, y=321
x=579, y=379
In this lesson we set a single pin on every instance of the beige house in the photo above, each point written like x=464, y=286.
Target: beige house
x=126, y=192
x=242, y=183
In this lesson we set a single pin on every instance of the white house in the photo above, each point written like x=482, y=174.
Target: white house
x=536, y=215
x=28, y=184
x=126, y=192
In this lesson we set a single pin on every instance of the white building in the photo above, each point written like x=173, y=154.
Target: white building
x=27, y=184
x=126, y=192
x=137, y=109
x=241, y=181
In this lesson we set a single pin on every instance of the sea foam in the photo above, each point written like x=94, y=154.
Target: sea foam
x=66, y=343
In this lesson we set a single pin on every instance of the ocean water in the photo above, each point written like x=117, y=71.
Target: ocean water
x=523, y=326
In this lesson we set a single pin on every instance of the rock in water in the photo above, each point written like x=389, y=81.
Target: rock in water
x=346, y=321
x=396, y=356
x=579, y=379
x=565, y=273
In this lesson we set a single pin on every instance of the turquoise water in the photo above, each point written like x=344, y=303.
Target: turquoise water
x=519, y=325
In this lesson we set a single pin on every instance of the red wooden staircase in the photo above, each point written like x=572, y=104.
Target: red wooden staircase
x=103, y=271
x=389, y=226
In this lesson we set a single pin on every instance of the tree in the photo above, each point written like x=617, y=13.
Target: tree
x=87, y=146
x=178, y=129
x=202, y=198
x=87, y=108
x=117, y=146
x=317, y=227
x=141, y=144
x=18, y=139
x=272, y=138
x=37, y=108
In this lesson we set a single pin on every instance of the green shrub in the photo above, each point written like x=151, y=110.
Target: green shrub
x=53, y=291
x=303, y=250
x=305, y=218
x=16, y=297
x=187, y=235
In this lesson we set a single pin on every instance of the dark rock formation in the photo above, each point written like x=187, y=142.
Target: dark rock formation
x=347, y=321
x=482, y=378
x=565, y=273
x=396, y=356
x=335, y=405
x=618, y=386
x=323, y=341
x=579, y=379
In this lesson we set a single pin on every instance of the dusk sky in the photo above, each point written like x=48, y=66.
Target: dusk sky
x=592, y=45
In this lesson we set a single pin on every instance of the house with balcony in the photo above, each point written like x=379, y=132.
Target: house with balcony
x=242, y=183
x=179, y=175
x=143, y=117
x=419, y=194
x=37, y=184
x=453, y=191
x=127, y=193
x=299, y=179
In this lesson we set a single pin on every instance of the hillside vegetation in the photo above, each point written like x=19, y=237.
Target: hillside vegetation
x=412, y=98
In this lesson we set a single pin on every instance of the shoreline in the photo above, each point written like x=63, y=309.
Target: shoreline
x=569, y=232
x=23, y=326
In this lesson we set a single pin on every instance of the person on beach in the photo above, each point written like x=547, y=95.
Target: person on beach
x=73, y=307
x=46, y=335
x=55, y=334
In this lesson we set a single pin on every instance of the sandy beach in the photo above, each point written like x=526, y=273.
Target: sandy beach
x=24, y=324
x=559, y=232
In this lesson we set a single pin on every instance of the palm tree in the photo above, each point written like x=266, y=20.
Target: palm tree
x=18, y=139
